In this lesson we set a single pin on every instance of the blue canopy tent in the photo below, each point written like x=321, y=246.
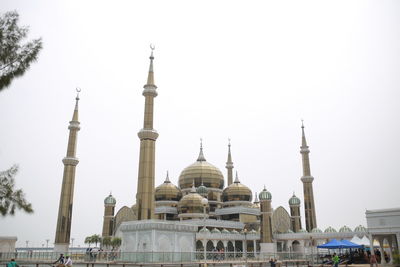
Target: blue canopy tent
x=349, y=244
x=332, y=244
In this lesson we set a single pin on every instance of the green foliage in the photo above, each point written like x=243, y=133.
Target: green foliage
x=11, y=198
x=116, y=242
x=396, y=259
x=15, y=58
x=93, y=239
x=88, y=240
x=106, y=241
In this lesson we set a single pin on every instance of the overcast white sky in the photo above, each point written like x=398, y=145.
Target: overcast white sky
x=245, y=70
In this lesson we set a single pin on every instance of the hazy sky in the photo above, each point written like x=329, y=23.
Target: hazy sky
x=245, y=70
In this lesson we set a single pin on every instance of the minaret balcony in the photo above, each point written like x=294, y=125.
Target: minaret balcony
x=70, y=161
x=150, y=90
x=74, y=125
x=307, y=179
x=148, y=134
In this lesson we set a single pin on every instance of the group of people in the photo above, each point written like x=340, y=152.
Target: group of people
x=63, y=261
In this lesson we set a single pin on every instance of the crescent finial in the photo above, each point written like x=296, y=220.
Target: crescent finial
x=152, y=47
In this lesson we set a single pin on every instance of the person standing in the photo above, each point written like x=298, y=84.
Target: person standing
x=68, y=261
x=60, y=260
x=12, y=263
x=373, y=261
x=335, y=260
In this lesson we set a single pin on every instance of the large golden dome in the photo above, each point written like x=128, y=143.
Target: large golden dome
x=191, y=203
x=201, y=172
x=237, y=192
x=167, y=191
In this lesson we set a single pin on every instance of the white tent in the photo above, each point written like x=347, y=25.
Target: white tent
x=361, y=241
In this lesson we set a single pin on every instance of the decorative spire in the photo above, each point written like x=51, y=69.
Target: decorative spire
x=303, y=137
x=201, y=155
x=167, y=179
x=193, y=189
x=236, y=178
x=229, y=163
x=150, y=77
x=75, y=116
x=229, y=153
x=256, y=198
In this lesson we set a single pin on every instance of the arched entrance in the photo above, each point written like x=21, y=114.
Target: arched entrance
x=296, y=246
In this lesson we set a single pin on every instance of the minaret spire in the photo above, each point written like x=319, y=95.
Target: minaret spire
x=146, y=177
x=229, y=164
x=307, y=179
x=63, y=230
x=201, y=155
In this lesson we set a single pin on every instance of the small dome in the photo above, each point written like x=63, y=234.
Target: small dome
x=167, y=191
x=234, y=231
x=265, y=195
x=289, y=231
x=110, y=200
x=201, y=171
x=215, y=231
x=224, y=231
x=294, y=201
x=191, y=203
x=303, y=231
x=316, y=230
x=237, y=192
x=330, y=229
x=344, y=229
x=360, y=228
x=202, y=190
x=204, y=230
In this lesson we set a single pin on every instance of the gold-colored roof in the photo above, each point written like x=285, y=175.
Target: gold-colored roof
x=237, y=192
x=191, y=203
x=201, y=172
x=167, y=191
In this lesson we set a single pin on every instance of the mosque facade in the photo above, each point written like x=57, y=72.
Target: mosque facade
x=204, y=211
x=213, y=212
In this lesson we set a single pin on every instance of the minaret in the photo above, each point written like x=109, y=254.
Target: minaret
x=108, y=219
x=63, y=230
x=307, y=179
x=294, y=203
x=148, y=136
x=229, y=164
x=266, y=244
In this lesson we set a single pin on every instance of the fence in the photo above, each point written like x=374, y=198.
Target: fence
x=105, y=257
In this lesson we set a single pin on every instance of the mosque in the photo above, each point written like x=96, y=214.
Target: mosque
x=203, y=212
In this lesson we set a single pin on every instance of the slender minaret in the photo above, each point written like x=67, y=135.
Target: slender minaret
x=307, y=179
x=108, y=219
x=229, y=164
x=63, y=230
x=148, y=136
x=294, y=203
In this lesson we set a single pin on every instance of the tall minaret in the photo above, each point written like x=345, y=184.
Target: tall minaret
x=63, y=230
x=229, y=164
x=148, y=136
x=307, y=179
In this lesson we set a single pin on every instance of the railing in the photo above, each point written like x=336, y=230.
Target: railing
x=159, y=257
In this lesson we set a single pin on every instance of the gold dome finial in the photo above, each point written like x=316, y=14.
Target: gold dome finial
x=167, y=178
x=201, y=155
x=236, y=178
